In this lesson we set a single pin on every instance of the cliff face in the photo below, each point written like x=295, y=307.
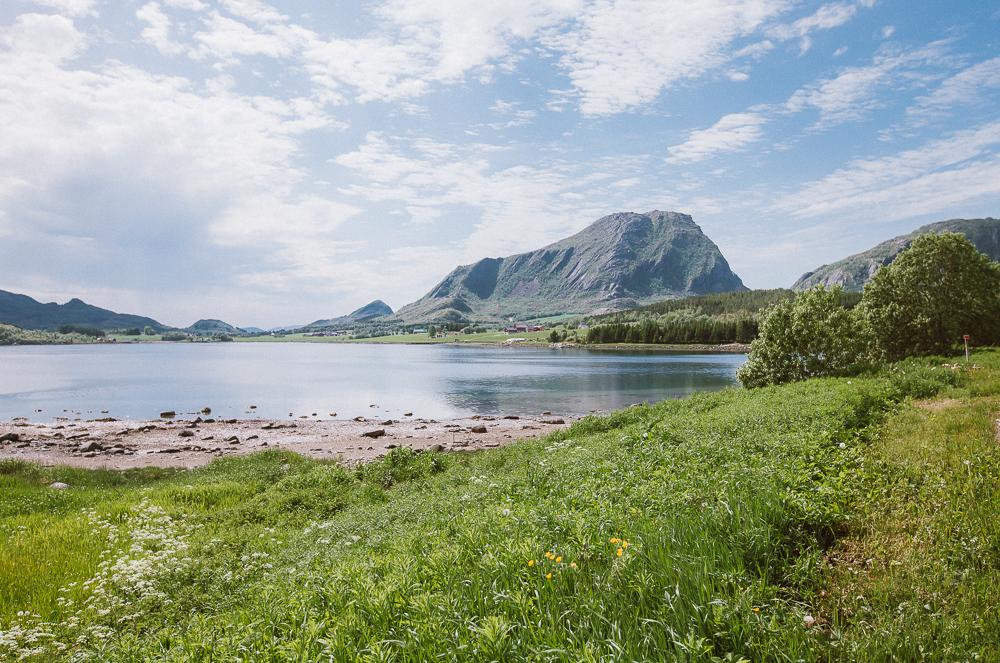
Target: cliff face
x=853, y=272
x=620, y=261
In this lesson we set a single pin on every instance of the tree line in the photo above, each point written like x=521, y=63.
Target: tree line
x=742, y=329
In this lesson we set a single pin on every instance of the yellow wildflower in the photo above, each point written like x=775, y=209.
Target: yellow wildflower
x=572, y=565
x=559, y=559
x=531, y=562
x=624, y=544
x=620, y=551
x=548, y=576
x=756, y=609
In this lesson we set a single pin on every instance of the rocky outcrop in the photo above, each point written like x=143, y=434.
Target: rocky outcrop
x=620, y=261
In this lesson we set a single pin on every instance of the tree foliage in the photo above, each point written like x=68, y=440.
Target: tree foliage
x=934, y=292
x=813, y=335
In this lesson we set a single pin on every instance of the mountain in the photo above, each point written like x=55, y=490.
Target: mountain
x=620, y=261
x=375, y=309
x=853, y=272
x=27, y=313
x=212, y=326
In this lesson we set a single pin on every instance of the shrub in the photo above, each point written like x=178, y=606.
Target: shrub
x=810, y=336
x=934, y=292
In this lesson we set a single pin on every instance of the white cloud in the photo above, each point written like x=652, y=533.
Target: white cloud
x=935, y=177
x=45, y=38
x=624, y=53
x=828, y=16
x=888, y=31
x=853, y=92
x=965, y=87
x=513, y=209
x=157, y=30
x=70, y=7
x=139, y=172
x=731, y=133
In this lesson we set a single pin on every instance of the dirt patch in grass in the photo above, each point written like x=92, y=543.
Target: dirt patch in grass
x=937, y=404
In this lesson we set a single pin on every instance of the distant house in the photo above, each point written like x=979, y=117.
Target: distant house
x=419, y=330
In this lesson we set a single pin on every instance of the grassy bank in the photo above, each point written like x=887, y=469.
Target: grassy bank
x=741, y=524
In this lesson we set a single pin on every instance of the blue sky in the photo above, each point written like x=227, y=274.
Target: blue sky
x=278, y=163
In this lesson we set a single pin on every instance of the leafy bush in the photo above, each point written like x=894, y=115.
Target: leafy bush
x=938, y=289
x=810, y=336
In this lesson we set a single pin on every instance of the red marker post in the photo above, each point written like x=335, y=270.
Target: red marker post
x=966, y=338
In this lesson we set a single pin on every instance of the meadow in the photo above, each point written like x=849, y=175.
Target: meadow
x=832, y=519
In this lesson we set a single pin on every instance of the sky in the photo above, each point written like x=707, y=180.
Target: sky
x=277, y=163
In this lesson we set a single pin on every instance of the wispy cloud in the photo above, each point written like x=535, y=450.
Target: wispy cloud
x=932, y=178
x=731, y=133
x=856, y=91
x=625, y=53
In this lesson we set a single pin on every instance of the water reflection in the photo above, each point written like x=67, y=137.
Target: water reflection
x=139, y=381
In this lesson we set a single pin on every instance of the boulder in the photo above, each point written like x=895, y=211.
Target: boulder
x=478, y=429
x=167, y=414
x=374, y=433
x=90, y=446
x=206, y=410
x=10, y=437
x=186, y=433
x=58, y=485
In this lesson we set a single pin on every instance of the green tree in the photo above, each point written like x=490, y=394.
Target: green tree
x=934, y=292
x=810, y=336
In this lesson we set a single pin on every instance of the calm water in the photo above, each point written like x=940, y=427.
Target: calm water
x=140, y=381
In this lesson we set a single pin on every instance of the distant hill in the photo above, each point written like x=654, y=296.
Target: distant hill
x=375, y=309
x=27, y=313
x=212, y=326
x=620, y=261
x=853, y=272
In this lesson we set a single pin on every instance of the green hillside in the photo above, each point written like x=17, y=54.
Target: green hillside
x=853, y=272
x=27, y=313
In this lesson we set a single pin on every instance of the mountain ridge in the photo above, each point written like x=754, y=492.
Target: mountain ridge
x=619, y=261
x=28, y=313
x=852, y=272
x=371, y=310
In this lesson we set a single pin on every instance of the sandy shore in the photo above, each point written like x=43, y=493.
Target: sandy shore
x=192, y=441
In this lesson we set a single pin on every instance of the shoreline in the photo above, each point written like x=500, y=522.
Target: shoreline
x=693, y=348
x=115, y=444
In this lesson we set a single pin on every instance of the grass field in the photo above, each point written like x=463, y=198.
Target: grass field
x=836, y=519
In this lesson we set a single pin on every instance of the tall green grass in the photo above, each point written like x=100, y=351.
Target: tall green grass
x=692, y=530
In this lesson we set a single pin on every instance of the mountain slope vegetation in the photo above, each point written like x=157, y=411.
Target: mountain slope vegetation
x=620, y=261
x=371, y=310
x=27, y=313
x=853, y=272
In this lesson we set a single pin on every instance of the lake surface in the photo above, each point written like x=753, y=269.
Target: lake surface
x=434, y=381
